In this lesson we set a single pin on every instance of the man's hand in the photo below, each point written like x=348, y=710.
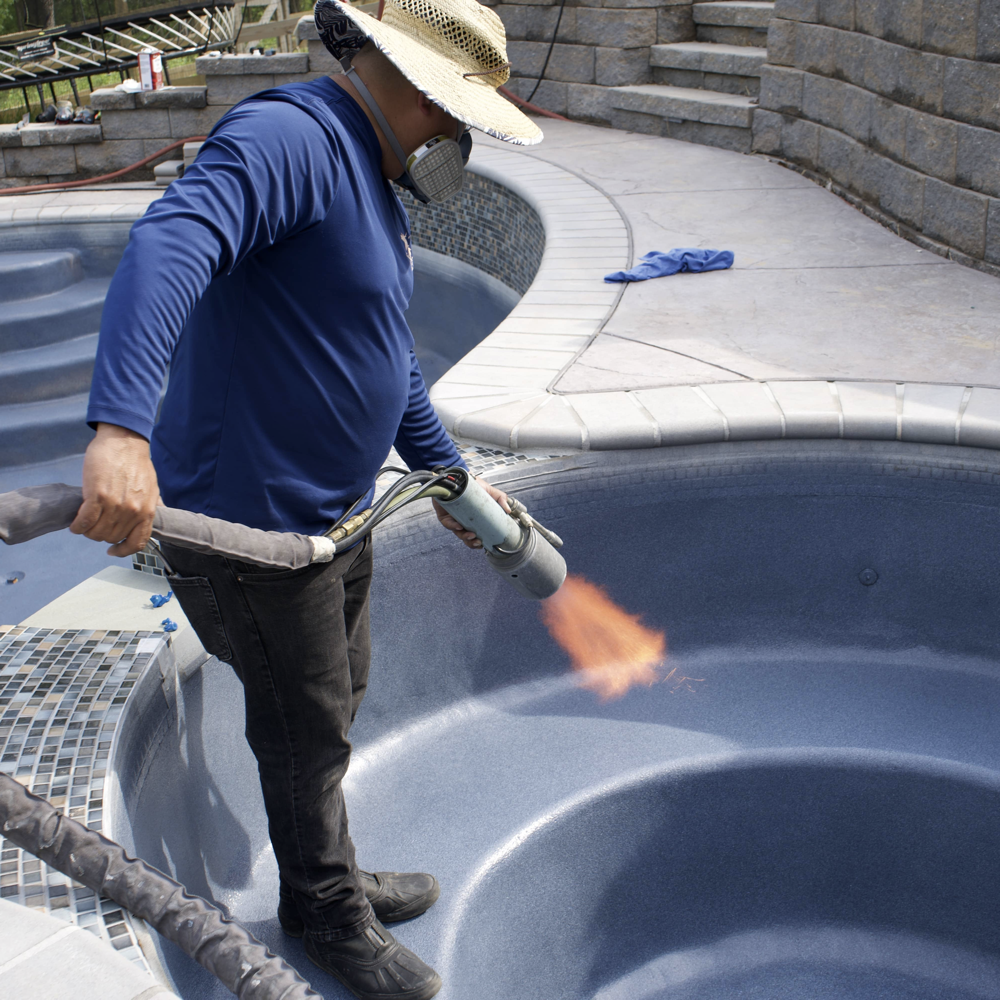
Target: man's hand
x=469, y=537
x=120, y=493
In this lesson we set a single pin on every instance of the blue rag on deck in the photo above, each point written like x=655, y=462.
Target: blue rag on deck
x=660, y=264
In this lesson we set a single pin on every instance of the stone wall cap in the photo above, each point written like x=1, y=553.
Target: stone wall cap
x=280, y=63
x=109, y=99
x=10, y=136
x=48, y=135
x=172, y=97
x=305, y=30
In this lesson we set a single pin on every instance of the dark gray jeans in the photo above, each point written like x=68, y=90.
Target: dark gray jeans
x=299, y=642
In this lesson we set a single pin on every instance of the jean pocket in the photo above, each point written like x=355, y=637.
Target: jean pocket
x=197, y=598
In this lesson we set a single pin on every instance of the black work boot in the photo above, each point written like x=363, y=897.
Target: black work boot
x=394, y=896
x=373, y=965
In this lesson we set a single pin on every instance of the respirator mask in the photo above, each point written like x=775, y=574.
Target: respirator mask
x=433, y=173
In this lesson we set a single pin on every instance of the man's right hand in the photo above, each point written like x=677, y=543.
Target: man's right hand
x=120, y=493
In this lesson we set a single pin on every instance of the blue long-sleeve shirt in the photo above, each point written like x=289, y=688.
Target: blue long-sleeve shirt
x=273, y=278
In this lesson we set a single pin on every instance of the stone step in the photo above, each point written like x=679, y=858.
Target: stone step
x=685, y=113
x=733, y=22
x=38, y=432
x=74, y=311
x=730, y=69
x=27, y=274
x=686, y=104
x=52, y=371
x=733, y=13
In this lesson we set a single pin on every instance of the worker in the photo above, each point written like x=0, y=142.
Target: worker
x=273, y=279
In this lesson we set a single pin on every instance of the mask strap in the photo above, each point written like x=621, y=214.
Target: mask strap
x=390, y=136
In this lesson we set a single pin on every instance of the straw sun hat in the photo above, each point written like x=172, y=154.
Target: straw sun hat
x=454, y=51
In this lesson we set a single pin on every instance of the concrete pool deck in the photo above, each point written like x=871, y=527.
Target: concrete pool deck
x=828, y=325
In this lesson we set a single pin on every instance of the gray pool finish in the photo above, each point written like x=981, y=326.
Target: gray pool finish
x=818, y=818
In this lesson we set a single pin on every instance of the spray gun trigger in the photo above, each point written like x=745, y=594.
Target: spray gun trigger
x=521, y=515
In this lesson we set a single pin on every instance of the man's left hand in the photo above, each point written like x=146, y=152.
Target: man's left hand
x=469, y=537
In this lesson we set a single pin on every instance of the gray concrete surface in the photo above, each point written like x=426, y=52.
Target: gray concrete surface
x=827, y=325
x=46, y=958
x=818, y=291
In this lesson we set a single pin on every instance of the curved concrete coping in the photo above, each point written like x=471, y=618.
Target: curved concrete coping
x=61, y=207
x=45, y=958
x=503, y=393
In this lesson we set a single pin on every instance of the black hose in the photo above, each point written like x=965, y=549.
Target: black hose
x=240, y=962
x=548, y=55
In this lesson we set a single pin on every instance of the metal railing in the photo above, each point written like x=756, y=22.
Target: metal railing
x=112, y=44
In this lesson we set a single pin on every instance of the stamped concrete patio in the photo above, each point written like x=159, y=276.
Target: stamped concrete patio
x=827, y=325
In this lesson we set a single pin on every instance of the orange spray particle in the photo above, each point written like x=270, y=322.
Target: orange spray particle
x=612, y=649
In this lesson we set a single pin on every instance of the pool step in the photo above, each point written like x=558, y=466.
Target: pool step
x=50, y=312
x=732, y=22
x=46, y=319
x=37, y=432
x=727, y=69
x=27, y=274
x=48, y=372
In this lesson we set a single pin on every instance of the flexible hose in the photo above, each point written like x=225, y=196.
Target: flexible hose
x=548, y=55
x=511, y=96
x=240, y=962
x=58, y=185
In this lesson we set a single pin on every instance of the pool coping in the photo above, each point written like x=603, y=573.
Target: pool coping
x=504, y=392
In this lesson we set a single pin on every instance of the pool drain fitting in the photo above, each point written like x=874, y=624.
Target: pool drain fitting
x=240, y=962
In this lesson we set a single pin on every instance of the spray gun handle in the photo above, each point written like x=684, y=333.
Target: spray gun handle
x=477, y=511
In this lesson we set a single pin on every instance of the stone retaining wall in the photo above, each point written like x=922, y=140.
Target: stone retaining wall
x=600, y=43
x=134, y=126
x=898, y=105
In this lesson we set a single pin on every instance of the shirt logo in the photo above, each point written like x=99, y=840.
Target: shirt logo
x=409, y=252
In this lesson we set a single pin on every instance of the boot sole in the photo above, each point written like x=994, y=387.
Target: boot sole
x=407, y=913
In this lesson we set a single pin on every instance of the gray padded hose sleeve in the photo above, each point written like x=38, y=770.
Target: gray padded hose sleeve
x=36, y=510
x=240, y=961
x=280, y=549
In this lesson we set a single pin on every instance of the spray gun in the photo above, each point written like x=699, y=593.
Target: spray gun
x=516, y=545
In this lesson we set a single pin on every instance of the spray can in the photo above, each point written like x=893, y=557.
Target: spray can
x=151, y=69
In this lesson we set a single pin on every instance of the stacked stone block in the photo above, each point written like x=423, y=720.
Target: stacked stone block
x=600, y=44
x=230, y=79
x=134, y=126
x=45, y=153
x=898, y=105
x=138, y=125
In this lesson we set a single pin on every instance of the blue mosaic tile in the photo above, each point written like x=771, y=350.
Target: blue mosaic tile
x=486, y=225
x=62, y=692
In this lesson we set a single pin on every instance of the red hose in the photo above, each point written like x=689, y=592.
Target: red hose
x=104, y=177
x=531, y=107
